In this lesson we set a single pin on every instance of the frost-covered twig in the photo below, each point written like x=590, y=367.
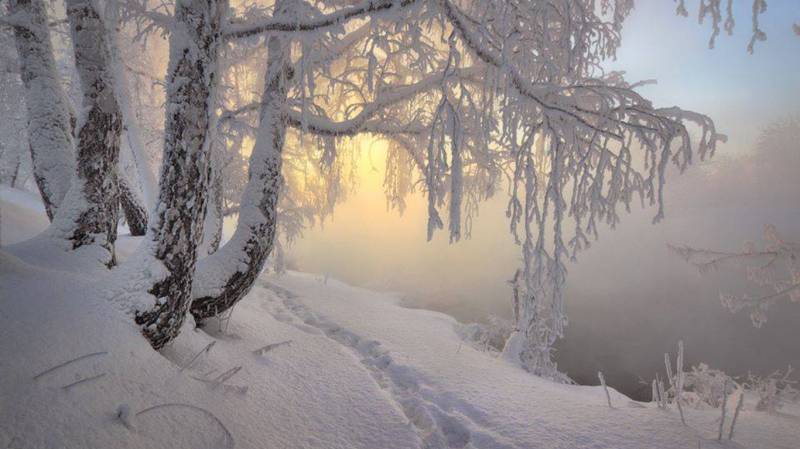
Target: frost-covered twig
x=87, y=379
x=205, y=350
x=776, y=266
x=676, y=381
x=270, y=347
x=736, y=414
x=227, y=374
x=50, y=370
x=605, y=387
x=724, y=404
x=241, y=389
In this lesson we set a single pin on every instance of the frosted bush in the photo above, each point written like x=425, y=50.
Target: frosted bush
x=490, y=336
x=774, y=391
x=705, y=386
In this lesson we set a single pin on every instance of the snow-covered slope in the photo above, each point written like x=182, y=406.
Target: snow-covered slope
x=304, y=362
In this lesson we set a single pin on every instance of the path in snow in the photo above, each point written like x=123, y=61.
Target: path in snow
x=436, y=426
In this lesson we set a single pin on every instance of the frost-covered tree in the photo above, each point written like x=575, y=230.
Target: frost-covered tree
x=14, y=148
x=224, y=277
x=469, y=93
x=49, y=128
x=174, y=235
x=473, y=97
x=88, y=215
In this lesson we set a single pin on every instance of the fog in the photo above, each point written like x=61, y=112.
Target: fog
x=629, y=299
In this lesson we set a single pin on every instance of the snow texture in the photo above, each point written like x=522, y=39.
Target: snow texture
x=360, y=371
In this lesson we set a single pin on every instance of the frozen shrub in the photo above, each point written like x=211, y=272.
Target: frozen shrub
x=773, y=391
x=706, y=386
x=490, y=336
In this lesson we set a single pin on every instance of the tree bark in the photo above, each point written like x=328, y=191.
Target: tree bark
x=179, y=213
x=226, y=276
x=212, y=225
x=132, y=206
x=88, y=214
x=49, y=128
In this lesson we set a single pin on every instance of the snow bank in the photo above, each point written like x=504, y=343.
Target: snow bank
x=304, y=362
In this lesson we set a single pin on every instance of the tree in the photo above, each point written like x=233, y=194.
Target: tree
x=88, y=215
x=547, y=100
x=49, y=127
x=224, y=277
x=473, y=96
x=178, y=221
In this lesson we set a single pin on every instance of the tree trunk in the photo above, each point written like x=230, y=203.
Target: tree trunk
x=49, y=129
x=212, y=225
x=88, y=214
x=224, y=277
x=178, y=218
x=132, y=206
x=132, y=132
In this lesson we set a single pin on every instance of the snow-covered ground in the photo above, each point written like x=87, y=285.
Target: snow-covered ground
x=304, y=362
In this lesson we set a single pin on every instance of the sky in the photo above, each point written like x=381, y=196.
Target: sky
x=628, y=270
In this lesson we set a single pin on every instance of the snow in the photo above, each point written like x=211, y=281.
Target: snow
x=358, y=371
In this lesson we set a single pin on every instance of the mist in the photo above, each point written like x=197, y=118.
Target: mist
x=629, y=298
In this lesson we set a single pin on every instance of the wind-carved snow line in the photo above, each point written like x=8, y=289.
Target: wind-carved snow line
x=435, y=421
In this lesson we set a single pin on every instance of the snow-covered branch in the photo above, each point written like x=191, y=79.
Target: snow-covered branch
x=775, y=265
x=240, y=29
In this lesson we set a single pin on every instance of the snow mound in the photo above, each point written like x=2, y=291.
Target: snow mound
x=303, y=362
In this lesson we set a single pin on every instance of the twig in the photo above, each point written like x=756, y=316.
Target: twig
x=193, y=407
x=724, y=403
x=88, y=379
x=680, y=409
x=235, y=388
x=605, y=387
x=48, y=371
x=736, y=414
x=679, y=379
x=202, y=351
x=270, y=347
x=227, y=374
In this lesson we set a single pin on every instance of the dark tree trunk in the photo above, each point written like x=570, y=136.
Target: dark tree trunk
x=178, y=223
x=88, y=215
x=132, y=206
x=212, y=228
x=49, y=128
x=226, y=276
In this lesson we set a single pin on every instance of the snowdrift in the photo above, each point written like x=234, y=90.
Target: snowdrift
x=303, y=362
